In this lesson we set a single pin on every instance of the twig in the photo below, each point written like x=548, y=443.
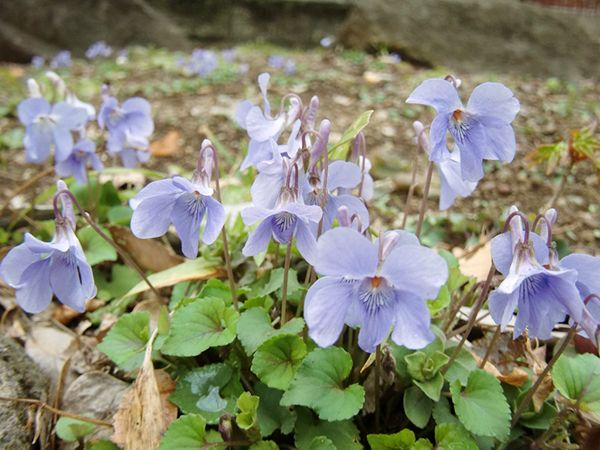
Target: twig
x=60, y=412
x=525, y=402
x=488, y=352
x=456, y=308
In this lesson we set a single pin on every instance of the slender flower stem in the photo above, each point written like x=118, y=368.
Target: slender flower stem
x=423, y=207
x=307, y=281
x=86, y=216
x=411, y=188
x=560, y=188
x=480, y=300
x=286, y=269
x=456, y=308
x=377, y=378
x=226, y=255
x=490, y=348
x=60, y=412
x=525, y=402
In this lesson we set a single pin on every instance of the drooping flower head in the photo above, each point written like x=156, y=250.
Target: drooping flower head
x=129, y=126
x=359, y=155
x=452, y=184
x=289, y=218
x=481, y=130
x=183, y=203
x=48, y=126
x=542, y=296
x=375, y=286
x=38, y=269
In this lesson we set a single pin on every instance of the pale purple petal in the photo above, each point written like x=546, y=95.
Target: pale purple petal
x=60, y=243
x=241, y=111
x=258, y=240
x=34, y=293
x=438, y=93
x=375, y=326
x=15, y=263
x=437, y=136
x=260, y=127
x=152, y=214
x=259, y=152
x=38, y=140
x=63, y=140
x=306, y=242
x=501, y=144
x=416, y=269
x=187, y=214
x=502, y=307
x=156, y=188
x=310, y=213
x=411, y=322
x=471, y=158
x=215, y=219
x=354, y=205
x=342, y=174
x=588, y=272
x=66, y=282
x=502, y=252
x=69, y=117
x=254, y=214
x=345, y=252
x=30, y=108
x=494, y=100
x=263, y=84
x=266, y=188
x=325, y=307
x=138, y=105
x=451, y=181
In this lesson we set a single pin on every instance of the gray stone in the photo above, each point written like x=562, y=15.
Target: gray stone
x=19, y=377
x=480, y=35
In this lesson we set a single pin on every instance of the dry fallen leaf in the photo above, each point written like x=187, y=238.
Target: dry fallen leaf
x=143, y=413
x=516, y=377
x=166, y=145
x=475, y=263
x=148, y=254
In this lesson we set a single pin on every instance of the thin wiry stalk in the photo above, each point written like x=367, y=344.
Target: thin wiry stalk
x=423, y=207
x=377, y=378
x=286, y=269
x=490, y=348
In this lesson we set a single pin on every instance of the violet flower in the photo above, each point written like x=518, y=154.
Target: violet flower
x=129, y=126
x=49, y=125
x=481, y=131
x=375, y=286
x=61, y=59
x=287, y=219
x=341, y=175
x=98, y=49
x=543, y=297
x=183, y=203
x=82, y=157
x=38, y=269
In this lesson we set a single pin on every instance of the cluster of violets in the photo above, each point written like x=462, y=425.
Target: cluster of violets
x=380, y=284
x=63, y=125
x=280, y=62
x=63, y=58
x=203, y=62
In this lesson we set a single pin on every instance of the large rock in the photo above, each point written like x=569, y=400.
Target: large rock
x=19, y=377
x=480, y=35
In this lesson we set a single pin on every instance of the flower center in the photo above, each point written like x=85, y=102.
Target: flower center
x=459, y=125
x=283, y=226
x=375, y=293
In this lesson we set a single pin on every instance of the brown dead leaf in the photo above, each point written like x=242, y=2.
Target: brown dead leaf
x=166, y=145
x=148, y=254
x=536, y=359
x=516, y=377
x=475, y=262
x=142, y=416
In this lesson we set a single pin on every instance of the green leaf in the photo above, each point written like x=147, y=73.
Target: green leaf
x=340, y=149
x=431, y=388
x=119, y=215
x=402, y=440
x=481, y=406
x=125, y=343
x=424, y=366
x=440, y=302
x=461, y=367
x=343, y=434
x=100, y=445
x=205, y=323
x=450, y=436
x=441, y=412
x=417, y=406
x=247, y=417
x=271, y=415
x=96, y=249
x=578, y=379
x=216, y=289
x=122, y=279
x=321, y=443
x=318, y=385
x=208, y=390
x=195, y=269
x=254, y=328
x=276, y=360
x=72, y=430
x=188, y=433
x=276, y=281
